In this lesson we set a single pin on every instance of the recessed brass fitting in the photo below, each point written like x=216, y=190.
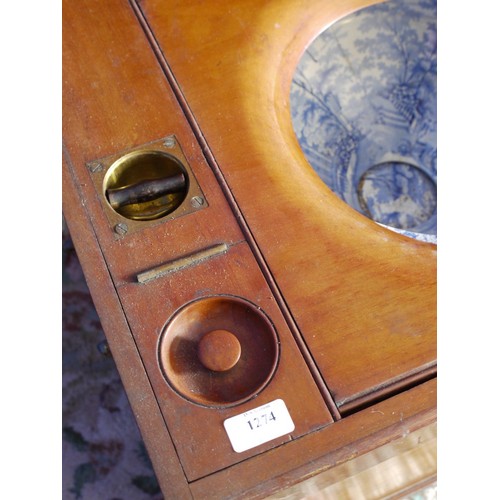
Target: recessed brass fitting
x=147, y=184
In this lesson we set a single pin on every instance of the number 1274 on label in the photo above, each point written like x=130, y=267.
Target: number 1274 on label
x=261, y=420
x=259, y=425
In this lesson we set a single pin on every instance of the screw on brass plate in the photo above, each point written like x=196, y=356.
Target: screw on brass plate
x=169, y=142
x=140, y=187
x=121, y=228
x=197, y=201
x=95, y=167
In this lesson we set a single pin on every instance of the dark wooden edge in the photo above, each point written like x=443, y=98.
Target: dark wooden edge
x=336, y=444
x=163, y=455
x=391, y=388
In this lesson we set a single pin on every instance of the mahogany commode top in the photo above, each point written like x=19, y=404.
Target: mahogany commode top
x=252, y=282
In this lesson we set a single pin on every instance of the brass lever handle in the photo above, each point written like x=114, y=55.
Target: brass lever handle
x=145, y=191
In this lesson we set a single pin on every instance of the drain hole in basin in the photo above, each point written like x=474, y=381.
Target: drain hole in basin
x=397, y=194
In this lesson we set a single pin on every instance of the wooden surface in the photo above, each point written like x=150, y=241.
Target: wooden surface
x=362, y=296
x=205, y=448
x=338, y=444
x=353, y=304
x=149, y=306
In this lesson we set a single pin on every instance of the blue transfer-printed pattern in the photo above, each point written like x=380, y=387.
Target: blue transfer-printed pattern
x=364, y=95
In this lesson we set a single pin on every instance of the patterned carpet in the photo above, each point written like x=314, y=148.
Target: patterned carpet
x=104, y=457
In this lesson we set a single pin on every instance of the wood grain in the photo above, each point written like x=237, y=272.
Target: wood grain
x=363, y=297
x=340, y=443
x=353, y=304
x=149, y=306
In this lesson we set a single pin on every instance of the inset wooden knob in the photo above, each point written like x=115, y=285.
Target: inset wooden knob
x=219, y=350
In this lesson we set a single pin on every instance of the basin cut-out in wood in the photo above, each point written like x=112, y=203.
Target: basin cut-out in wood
x=363, y=102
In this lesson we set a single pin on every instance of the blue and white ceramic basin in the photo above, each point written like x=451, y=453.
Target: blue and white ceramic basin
x=363, y=103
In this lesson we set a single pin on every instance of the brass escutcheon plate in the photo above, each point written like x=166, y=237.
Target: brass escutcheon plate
x=157, y=179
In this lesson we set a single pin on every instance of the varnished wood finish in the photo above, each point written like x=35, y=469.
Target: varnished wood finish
x=149, y=306
x=205, y=448
x=352, y=304
x=363, y=297
x=219, y=350
x=339, y=443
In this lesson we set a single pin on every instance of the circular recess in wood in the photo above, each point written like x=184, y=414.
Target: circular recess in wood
x=219, y=351
x=146, y=185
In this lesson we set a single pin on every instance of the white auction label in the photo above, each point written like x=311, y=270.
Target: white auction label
x=258, y=426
